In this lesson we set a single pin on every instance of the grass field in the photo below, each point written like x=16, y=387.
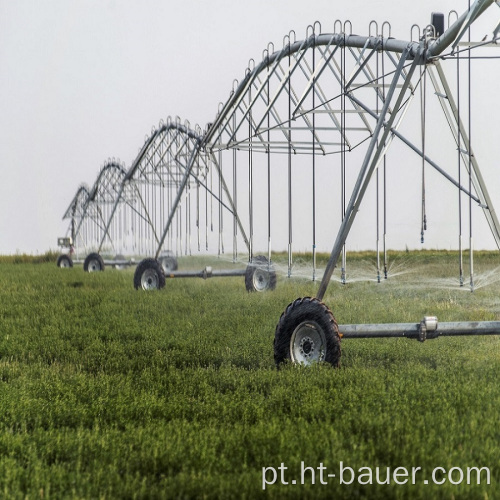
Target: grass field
x=108, y=392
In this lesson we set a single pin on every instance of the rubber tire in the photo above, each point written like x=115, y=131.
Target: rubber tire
x=64, y=258
x=301, y=311
x=148, y=264
x=260, y=264
x=168, y=263
x=90, y=257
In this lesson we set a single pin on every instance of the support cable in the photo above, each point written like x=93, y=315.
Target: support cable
x=250, y=177
x=343, y=156
x=188, y=215
x=221, y=220
x=459, y=139
x=377, y=183
x=423, y=92
x=198, y=214
x=385, y=166
x=235, y=200
x=471, y=248
x=211, y=198
x=289, y=169
x=206, y=214
x=314, y=161
x=268, y=171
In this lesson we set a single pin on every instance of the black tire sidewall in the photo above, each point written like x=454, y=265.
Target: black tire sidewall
x=66, y=258
x=299, y=311
x=142, y=267
x=173, y=265
x=259, y=262
x=90, y=257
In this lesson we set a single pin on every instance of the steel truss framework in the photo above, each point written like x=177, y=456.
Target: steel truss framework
x=144, y=208
x=321, y=98
x=76, y=213
x=89, y=210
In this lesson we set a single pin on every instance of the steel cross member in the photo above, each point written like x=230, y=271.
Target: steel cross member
x=368, y=166
x=187, y=173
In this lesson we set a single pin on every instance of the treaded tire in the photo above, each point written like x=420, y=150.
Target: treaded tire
x=149, y=275
x=168, y=263
x=93, y=263
x=260, y=275
x=64, y=260
x=307, y=332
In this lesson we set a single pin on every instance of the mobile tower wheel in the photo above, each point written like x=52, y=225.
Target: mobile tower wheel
x=307, y=333
x=93, y=263
x=260, y=275
x=168, y=262
x=149, y=275
x=64, y=260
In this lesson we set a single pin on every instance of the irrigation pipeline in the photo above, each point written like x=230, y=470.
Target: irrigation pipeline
x=427, y=329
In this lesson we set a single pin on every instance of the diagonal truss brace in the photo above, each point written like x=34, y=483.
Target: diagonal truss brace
x=182, y=186
x=369, y=164
x=459, y=132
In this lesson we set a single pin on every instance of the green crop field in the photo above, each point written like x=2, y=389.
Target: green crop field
x=108, y=392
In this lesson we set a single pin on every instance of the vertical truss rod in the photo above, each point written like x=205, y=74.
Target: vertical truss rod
x=368, y=165
x=477, y=179
x=232, y=206
x=182, y=186
x=433, y=164
x=139, y=158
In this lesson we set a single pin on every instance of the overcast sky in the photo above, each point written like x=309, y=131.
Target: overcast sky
x=85, y=80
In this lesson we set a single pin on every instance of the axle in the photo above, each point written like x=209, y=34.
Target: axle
x=428, y=328
x=208, y=272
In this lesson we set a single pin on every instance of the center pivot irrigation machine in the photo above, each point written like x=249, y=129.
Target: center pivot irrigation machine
x=333, y=102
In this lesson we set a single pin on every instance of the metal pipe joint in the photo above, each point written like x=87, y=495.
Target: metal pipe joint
x=427, y=325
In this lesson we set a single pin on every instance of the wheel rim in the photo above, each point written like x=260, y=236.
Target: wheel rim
x=308, y=343
x=64, y=263
x=260, y=280
x=167, y=265
x=150, y=280
x=94, y=265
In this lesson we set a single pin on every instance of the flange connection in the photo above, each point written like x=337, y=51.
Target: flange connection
x=428, y=325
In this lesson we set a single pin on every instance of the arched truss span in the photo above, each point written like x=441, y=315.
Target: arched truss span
x=322, y=97
x=89, y=210
x=332, y=94
x=313, y=85
x=76, y=213
x=165, y=154
x=106, y=186
x=273, y=107
x=76, y=208
x=167, y=187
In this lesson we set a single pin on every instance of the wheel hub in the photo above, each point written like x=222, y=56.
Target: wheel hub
x=149, y=280
x=94, y=266
x=306, y=346
x=260, y=279
x=167, y=264
x=308, y=343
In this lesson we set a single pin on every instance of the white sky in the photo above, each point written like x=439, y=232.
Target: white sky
x=85, y=80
